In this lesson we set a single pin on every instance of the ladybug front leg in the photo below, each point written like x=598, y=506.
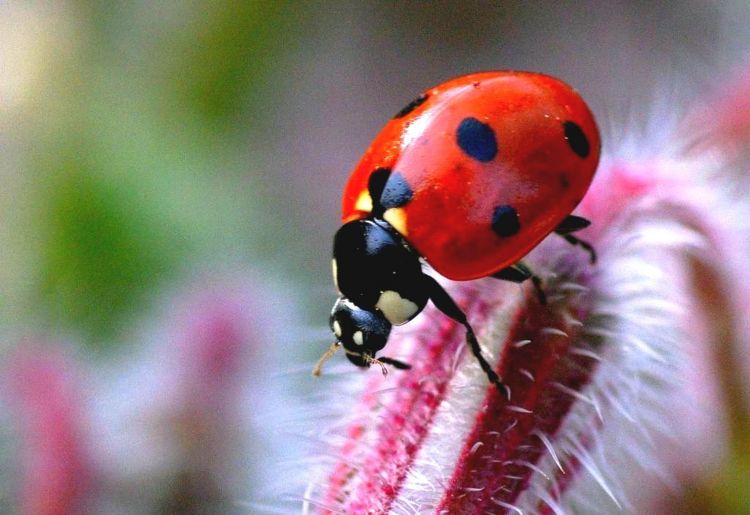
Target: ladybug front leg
x=445, y=303
x=519, y=273
x=394, y=363
x=572, y=224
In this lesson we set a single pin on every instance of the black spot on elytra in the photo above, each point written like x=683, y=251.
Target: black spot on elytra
x=564, y=182
x=477, y=139
x=576, y=139
x=505, y=221
x=411, y=106
x=375, y=186
x=397, y=192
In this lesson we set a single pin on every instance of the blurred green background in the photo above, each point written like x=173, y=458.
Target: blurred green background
x=143, y=144
x=140, y=140
x=137, y=147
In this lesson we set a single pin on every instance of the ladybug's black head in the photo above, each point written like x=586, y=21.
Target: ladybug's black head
x=362, y=333
x=381, y=284
x=377, y=271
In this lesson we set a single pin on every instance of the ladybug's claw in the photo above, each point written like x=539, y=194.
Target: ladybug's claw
x=581, y=243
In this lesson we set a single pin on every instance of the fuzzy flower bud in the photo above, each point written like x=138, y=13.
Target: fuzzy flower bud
x=598, y=376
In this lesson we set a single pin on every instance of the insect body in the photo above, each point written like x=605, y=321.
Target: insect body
x=470, y=176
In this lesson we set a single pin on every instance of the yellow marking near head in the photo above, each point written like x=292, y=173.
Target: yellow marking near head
x=364, y=202
x=396, y=216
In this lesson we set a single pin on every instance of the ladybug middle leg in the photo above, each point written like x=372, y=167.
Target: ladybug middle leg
x=519, y=273
x=443, y=301
x=572, y=224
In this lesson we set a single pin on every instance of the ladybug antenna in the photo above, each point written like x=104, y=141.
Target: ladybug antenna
x=335, y=346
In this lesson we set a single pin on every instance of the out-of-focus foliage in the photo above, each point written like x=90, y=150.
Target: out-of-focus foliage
x=137, y=157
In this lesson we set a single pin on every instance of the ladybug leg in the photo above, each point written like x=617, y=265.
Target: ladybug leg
x=519, y=273
x=572, y=224
x=448, y=306
x=394, y=363
x=581, y=243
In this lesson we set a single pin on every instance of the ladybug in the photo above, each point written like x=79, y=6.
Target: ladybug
x=469, y=177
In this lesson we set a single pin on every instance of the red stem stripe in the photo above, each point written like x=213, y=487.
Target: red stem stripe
x=497, y=471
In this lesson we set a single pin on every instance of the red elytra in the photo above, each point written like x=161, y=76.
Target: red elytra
x=492, y=162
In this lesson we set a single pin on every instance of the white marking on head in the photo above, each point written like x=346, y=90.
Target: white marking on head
x=335, y=270
x=337, y=329
x=358, y=338
x=395, y=308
